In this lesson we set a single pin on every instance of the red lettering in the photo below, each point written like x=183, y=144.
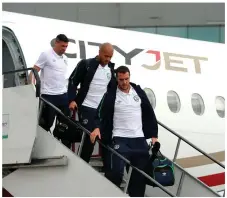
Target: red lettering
x=156, y=53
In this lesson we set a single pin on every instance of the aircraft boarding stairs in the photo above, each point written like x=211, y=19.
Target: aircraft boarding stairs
x=37, y=164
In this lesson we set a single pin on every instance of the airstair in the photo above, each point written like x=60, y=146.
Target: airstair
x=37, y=164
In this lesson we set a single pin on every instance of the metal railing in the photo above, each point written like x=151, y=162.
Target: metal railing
x=85, y=131
x=37, y=85
x=189, y=143
x=193, y=146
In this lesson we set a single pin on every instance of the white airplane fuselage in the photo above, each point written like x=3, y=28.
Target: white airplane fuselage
x=156, y=62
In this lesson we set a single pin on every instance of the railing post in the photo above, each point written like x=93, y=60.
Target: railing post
x=3, y=80
x=41, y=103
x=180, y=184
x=177, y=149
x=190, y=144
x=81, y=144
x=128, y=179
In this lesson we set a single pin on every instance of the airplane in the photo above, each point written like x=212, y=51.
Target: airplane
x=183, y=79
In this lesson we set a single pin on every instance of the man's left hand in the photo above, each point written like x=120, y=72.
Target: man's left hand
x=153, y=140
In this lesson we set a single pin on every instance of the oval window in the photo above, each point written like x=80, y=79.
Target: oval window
x=173, y=101
x=220, y=106
x=197, y=104
x=151, y=96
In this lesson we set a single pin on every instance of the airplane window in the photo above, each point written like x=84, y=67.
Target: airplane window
x=197, y=104
x=151, y=96
x=173, y=101
x=220, y=106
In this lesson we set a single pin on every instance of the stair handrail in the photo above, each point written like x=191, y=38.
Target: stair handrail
x=76, y=124
x=35, y=72
x=189, y=143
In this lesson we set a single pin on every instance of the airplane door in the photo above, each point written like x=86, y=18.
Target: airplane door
x=13, y=59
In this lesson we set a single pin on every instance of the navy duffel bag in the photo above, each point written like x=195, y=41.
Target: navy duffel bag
x=160, y=169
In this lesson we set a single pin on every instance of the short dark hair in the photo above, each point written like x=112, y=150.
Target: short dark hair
x=122, y=69
x=62, y=37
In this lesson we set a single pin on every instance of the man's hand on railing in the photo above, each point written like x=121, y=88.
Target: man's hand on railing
x=33, y=75
x=72, y=105
x=32, y=80
x=94, y=134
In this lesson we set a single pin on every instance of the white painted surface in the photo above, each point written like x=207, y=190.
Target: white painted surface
x=78, y=179
x=21, y=106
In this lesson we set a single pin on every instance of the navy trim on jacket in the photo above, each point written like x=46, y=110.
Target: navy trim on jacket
x=105, y=113
x=83, y=75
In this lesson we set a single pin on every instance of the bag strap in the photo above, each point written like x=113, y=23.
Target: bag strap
x=157, y=155
x=70, y=116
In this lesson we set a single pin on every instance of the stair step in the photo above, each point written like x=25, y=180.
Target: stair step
x=97, y=164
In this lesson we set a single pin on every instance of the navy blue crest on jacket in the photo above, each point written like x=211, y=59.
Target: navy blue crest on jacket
x=105, y=113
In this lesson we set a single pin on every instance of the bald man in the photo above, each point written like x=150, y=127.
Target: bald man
x=94, y=76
